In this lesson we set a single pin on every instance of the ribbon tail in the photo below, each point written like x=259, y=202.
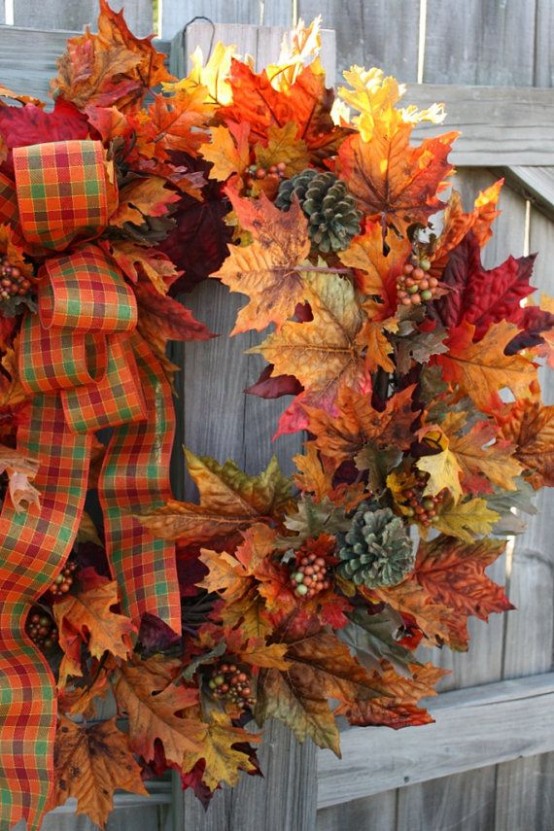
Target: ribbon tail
x=135, y=474
x=34, y=547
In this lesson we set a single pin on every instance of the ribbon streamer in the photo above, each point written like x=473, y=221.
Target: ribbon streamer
x=85, y=368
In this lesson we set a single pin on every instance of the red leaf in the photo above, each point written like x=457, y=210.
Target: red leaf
x=268, y=387
x=479, y=296
x=23, y=126
x=162, y=317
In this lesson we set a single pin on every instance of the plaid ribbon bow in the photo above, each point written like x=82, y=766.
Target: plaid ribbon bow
x=86, y=368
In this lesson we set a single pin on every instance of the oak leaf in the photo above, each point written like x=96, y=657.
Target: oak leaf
x=322, y=353
x=230, y=500
x=87, y=618
x=225, y=750
x=155, y=705
x=267, y=270
x=466, y=520
x=91, y=763
x=482, y=369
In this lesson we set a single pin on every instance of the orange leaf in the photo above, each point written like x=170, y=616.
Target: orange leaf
x=376, y=270
x=267, y=269
x=482, y=369
x=530, y=425
x=136, y=261
x=91, y=763
x=155, y=705
x=223, y=751
x=87, y=618
x=322, y=353
x=141, y=198
x=112, y=67
x=228, y=151
x=392, y=180
x=230, y=500
x=174, y=122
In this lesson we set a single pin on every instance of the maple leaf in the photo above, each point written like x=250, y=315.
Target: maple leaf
x=377, y=270
x=321, y=667
x=458, y=224
x=357, y=423
x=396, y=707
x=136, y=261
x=225, y=750
x=479, y=450
x=306, y=103
x=444, y=472
x=230, y=500
x=392, y=181
x=112, y=67
x=213, y=75
x=283, y=146
x=466, y=520
x=141, y=198
x=91, y=762
x=530, y=425
x=482, y=369
x=266, y=270
x=322, y=353
x=174, y=122
x=228, y=150
x=155, y=706
x=87, y=618
x=479, y=296
x=24, y=126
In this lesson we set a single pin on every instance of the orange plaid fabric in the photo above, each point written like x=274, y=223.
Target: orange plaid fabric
x=85, y=368
x=34, y=547
x=8, y=201
x=62, y=191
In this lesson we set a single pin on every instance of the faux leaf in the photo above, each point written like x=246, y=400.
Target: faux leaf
x=391, y=180
x=154, y=705
x=285, y=147
x=530, y=426
x=223, y=750
x=321, y=353
x=228, y=151
x=266, y=270
x=88, y=618
x=482, y=369
x=136, y=261
x=91, y=763
x=230, y=500
x=467, y=520
x=377, y=271
x=175, y=122
x=143, y=197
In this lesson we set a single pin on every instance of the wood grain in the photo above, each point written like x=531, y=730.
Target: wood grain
x=371, y=33
x=480, y=43
x=474, y=728
x=58, y=14
x=535, y=184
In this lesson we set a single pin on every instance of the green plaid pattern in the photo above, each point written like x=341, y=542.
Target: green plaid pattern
x=135, y=476
x=116, y=399
x=62, y=191
x=85, y=291
x=35, y=545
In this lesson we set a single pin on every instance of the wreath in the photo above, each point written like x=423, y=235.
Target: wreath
x=303, y=599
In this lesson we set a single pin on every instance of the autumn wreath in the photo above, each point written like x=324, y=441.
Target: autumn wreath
x=392, y=340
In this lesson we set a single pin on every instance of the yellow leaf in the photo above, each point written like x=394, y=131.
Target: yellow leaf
x=141, y=198
x=228, y=150
x=444, y=471
x=466, y=520
x=213, y=75
x=283, y=146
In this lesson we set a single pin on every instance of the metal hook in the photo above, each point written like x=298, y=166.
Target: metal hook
x=193, y=20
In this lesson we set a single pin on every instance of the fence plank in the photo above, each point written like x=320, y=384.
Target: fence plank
x=59, y=14
x=371, y=33
x=480, y=43
x=379, y=810
x=464, y=802
x=544, y=57
x=474, y=728
x=525, y=799
x=499, y=125
x=175, y=17
x=535, y=184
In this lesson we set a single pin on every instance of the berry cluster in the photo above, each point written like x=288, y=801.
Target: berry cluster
x=415, y=286
x=275, y=171
x=310, y=576
x=42, y=630
x=12, y=281
x=229, y=683
x=424, y=509
x=64, y=581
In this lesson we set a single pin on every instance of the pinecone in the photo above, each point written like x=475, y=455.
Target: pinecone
x=376, y=551
x=333, y=218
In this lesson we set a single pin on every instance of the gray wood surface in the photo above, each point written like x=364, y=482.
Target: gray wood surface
x=535, y=184
x=474, y=728
x=478, y=42
x=59, y=14
x=371, y=33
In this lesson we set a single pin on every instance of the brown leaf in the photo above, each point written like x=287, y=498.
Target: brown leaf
x=91, y=763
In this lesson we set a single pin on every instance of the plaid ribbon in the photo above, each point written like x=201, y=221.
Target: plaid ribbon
x=85, y=368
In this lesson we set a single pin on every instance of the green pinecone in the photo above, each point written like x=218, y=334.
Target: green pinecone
x=376, y=551
x=333, y=218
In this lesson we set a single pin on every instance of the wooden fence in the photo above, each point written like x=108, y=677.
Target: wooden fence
x=488, y=762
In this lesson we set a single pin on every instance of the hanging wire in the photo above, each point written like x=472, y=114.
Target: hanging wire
x=193, y=20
